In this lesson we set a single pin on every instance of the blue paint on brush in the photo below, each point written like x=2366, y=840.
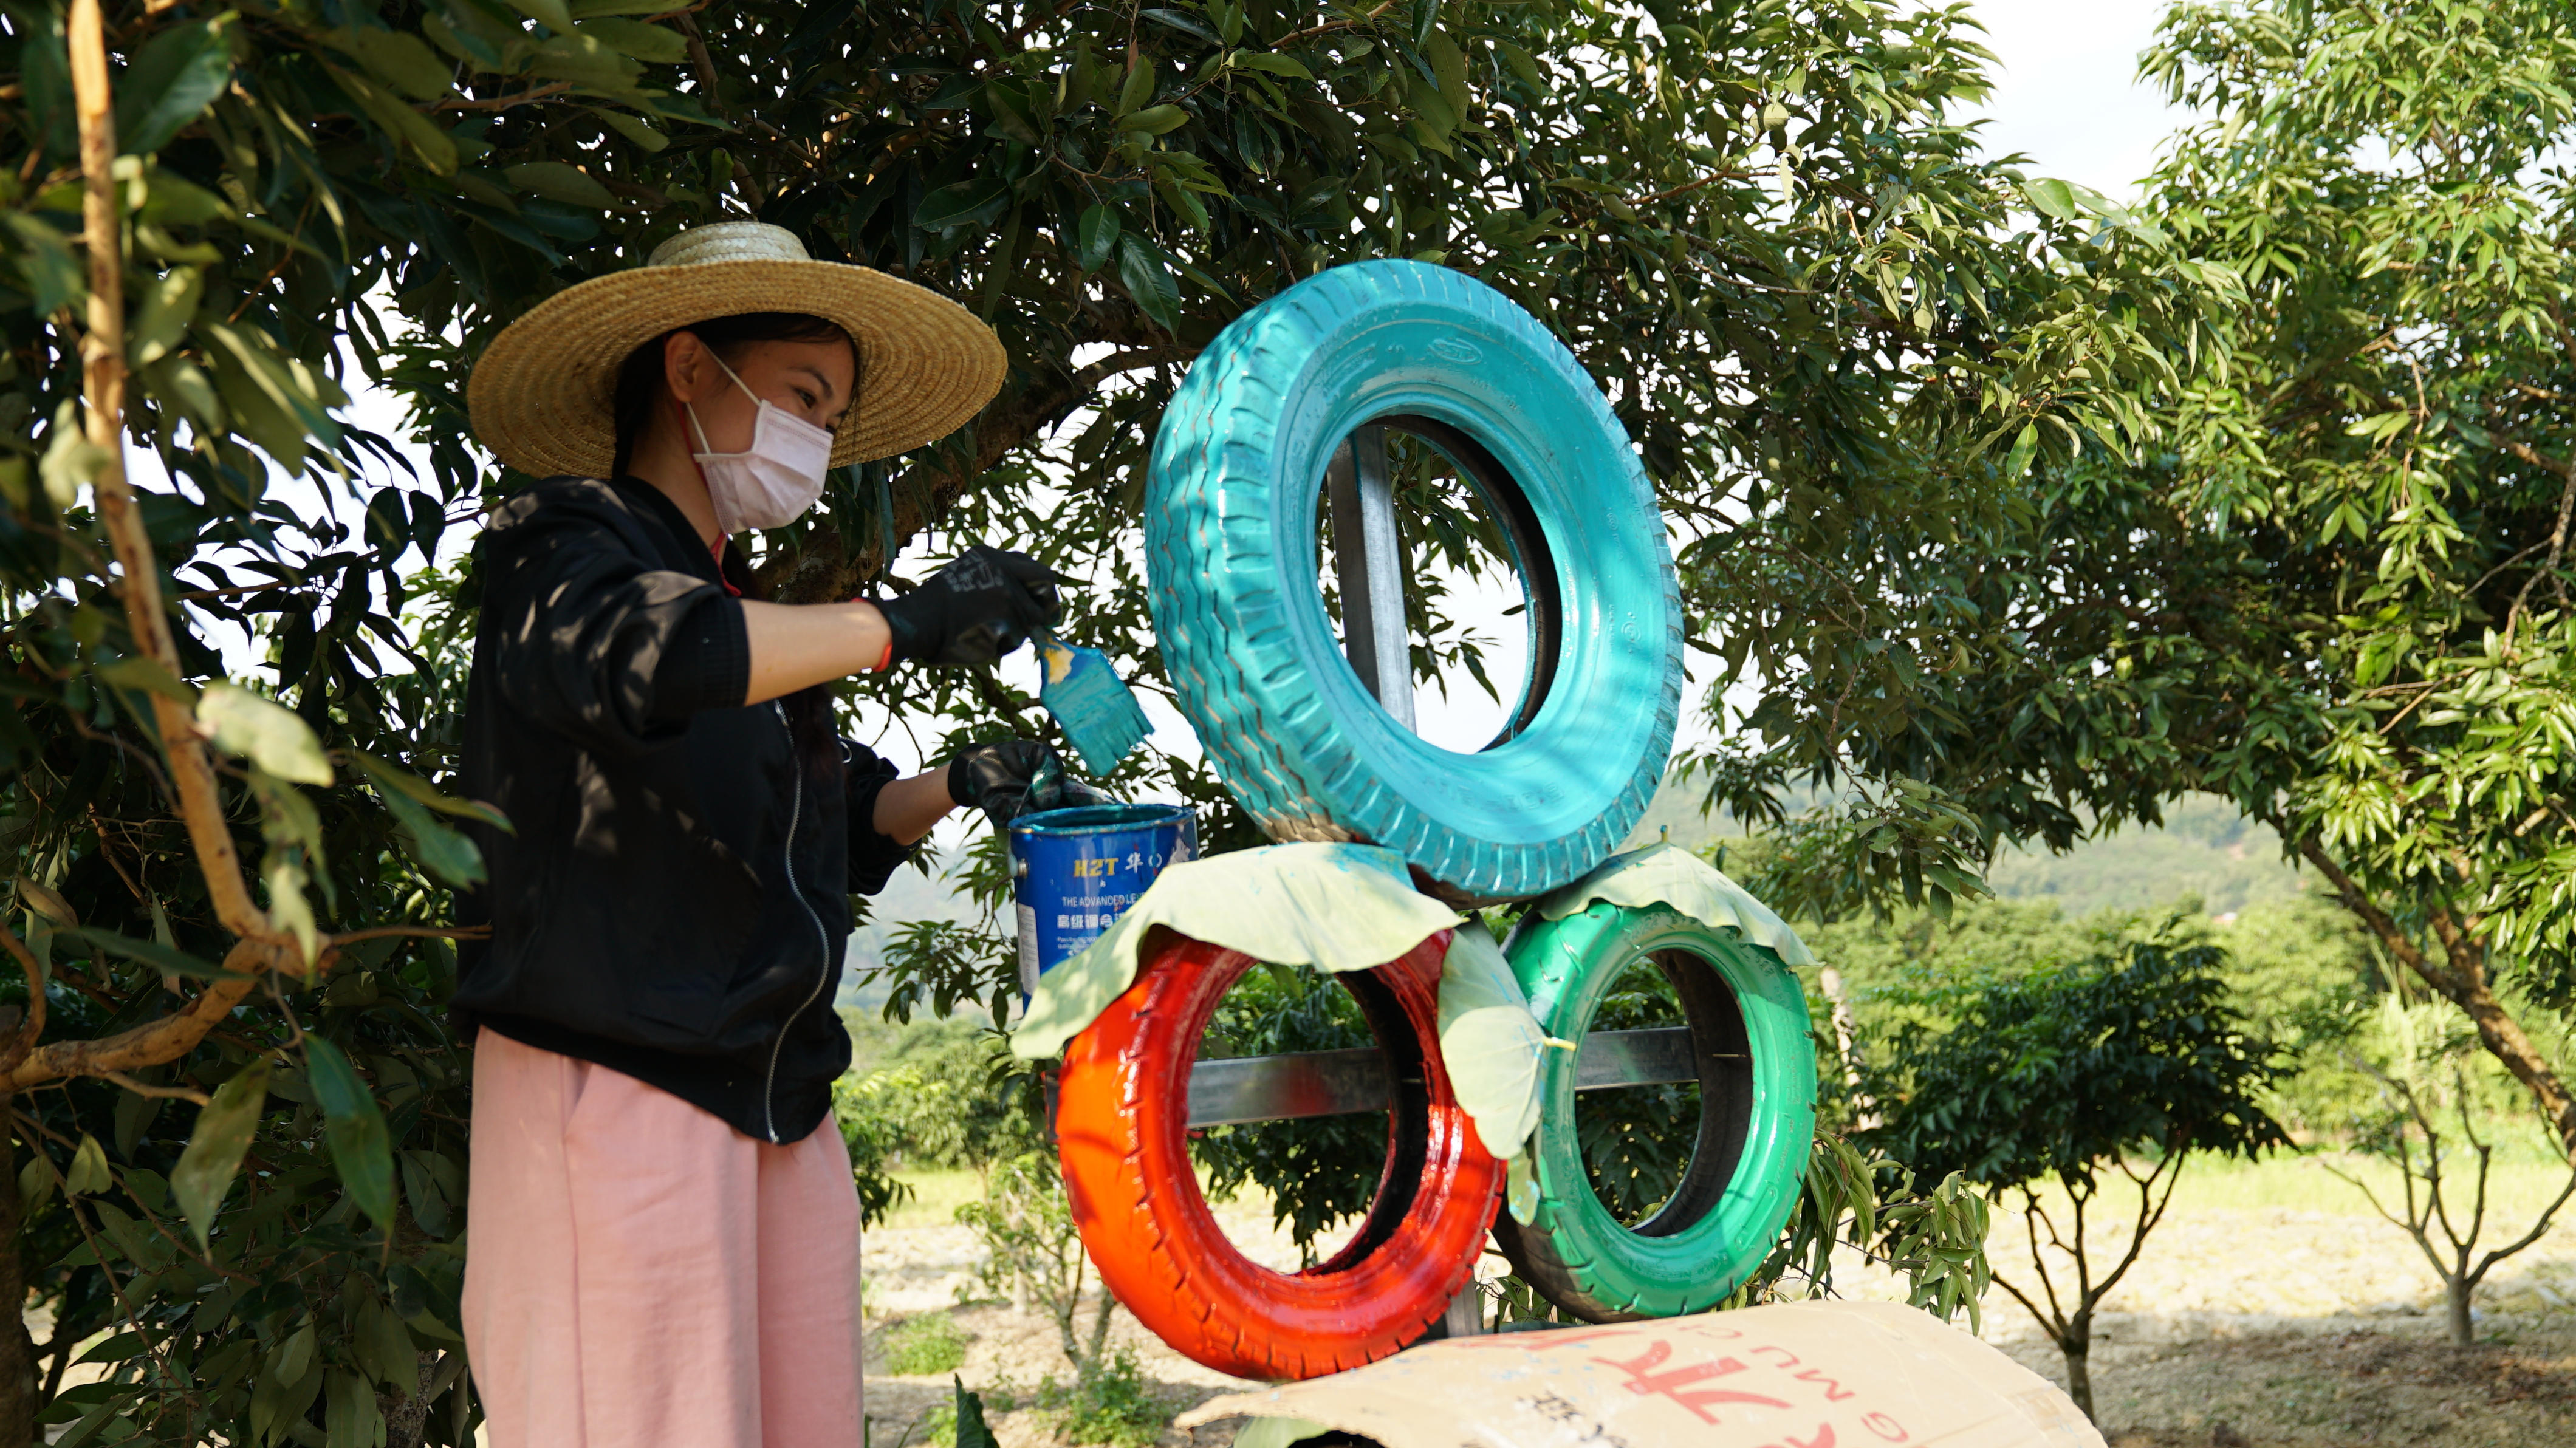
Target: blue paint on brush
x=1091, y=704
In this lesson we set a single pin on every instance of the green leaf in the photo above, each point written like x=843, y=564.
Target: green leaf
x=1449, y=63
x=654, y=44
x=443, y=852
x=295, y=1357
x=586, y=62
x=1275, y=65
x=1095, y=236
x=150, y=674
x=433, y=147
x=633, y=128
x=287, y=384
x=265, y=732
x=1426, y=14
x=552, y=14
x=71, y=462
x=2052, y=197
x=1013, y=114
x=89, y=1171
x=966, y=203
x=972, y=1430
x=178, y=73
x=384, y=1348
x=1149, y=282
x=169, y=960
x=46, y=903
x=35, y=1183
x=215, y=1149
x=176, y=379
x=558, y=182
x=386, y=777
x=1138, y=87
x=169, y=304
x=360, y=1147
x=397, y=57
x=1186, y=24
x=2023, y=449
x=288, y=910
x=53, y=274
x=1155, y=120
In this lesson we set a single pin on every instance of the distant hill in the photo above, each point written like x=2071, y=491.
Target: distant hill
x=2204, y=849
x=909, y=896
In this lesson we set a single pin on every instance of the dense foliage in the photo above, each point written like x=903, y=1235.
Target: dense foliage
x=2330, y=586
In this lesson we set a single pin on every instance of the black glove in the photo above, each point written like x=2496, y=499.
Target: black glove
x=974, y=610
x=1012, y=778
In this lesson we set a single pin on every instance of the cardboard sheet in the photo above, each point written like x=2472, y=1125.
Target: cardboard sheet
x=1793, y=1375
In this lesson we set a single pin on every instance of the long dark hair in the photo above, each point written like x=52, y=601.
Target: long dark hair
x=640, y=390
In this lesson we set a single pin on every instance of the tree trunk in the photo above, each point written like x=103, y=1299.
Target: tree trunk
x=2457, y=1290
x=17, y=1350
x=2078, y=1347
x=2462, y=982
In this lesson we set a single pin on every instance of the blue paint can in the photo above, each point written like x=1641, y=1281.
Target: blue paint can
x=1073, y=871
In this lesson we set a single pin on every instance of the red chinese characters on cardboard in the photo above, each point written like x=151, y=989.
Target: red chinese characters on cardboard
x=1793, y=1375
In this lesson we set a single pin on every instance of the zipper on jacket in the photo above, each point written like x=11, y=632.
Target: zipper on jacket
x=795, y=813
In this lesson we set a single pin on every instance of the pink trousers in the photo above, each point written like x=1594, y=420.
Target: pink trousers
x=640, y=1275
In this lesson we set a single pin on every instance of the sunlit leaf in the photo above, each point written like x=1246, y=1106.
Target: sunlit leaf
x=269, y=734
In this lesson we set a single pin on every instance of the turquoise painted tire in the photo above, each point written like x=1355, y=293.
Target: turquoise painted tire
x=1231, y=536
x=1757, y=1067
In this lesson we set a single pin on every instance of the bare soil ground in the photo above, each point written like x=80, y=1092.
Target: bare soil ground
x=2240, y=1327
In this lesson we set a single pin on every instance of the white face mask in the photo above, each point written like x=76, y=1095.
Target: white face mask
x=776, y=479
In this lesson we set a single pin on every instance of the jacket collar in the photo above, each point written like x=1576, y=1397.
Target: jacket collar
x=734, y=571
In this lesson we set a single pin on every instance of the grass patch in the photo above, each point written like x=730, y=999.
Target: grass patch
x=2517, y=1188
x=937, y=1193
x=925, y=1346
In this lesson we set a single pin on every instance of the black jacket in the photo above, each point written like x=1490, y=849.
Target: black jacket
x=674, y=900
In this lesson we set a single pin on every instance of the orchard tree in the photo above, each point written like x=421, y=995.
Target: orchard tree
x=2331, y=584
x=2077, y=1077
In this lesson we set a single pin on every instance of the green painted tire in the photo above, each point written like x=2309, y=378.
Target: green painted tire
x=1757, y=1068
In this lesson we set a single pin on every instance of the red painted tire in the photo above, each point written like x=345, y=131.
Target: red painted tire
x=1121, y=1118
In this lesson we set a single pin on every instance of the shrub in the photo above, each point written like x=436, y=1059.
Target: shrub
x=1108, y=1405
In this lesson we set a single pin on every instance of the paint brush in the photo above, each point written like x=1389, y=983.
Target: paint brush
x=1091, y=704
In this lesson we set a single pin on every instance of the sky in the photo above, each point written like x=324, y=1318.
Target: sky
x=2064, y=95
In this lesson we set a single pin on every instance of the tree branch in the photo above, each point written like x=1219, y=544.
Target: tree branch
x=103, y=389
x=33, y=1026
x=155, y=1042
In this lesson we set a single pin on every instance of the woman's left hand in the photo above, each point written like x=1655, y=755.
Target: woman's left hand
x=1014, y=777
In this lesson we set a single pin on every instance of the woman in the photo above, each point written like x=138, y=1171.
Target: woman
x=662, y=1238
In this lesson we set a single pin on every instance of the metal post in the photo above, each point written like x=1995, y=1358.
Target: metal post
x=1370, y=570
x=1466, y=1314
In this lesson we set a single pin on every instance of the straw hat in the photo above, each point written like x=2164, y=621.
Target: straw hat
x=542, y=394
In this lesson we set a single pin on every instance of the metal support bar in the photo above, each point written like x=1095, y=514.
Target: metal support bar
x=1652, y=1057
x=1369, y=568
x=1335, y=1083
x=1282, y=1088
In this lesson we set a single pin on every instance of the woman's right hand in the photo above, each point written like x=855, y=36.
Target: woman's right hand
x=975, y=610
